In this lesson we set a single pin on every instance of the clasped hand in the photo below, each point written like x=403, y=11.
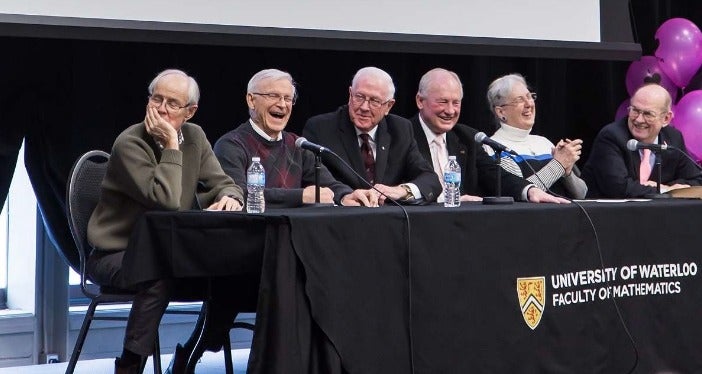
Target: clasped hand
x=567, y=152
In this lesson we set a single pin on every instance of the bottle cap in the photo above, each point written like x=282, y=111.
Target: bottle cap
x=256, y=159
x=452, y=157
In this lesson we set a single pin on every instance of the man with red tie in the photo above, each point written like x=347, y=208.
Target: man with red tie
x=378, y=145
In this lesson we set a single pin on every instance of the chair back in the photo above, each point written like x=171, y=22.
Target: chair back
x=82, y=196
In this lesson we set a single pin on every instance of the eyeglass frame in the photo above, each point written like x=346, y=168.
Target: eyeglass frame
x=360, y=99
x=275, y=97
x=531, y=96
x=642, y=113
x=171, y=104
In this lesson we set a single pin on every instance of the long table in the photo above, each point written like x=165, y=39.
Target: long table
x=525, y=288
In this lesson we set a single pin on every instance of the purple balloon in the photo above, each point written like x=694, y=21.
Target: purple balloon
x=622, y=111
x=688, y=119
x=645, y=70
x=679, y=50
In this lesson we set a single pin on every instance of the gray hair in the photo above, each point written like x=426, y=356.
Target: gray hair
x=193, y=88
x=429, y=77
x=372, y=71
x=272, y=74
x=266, y=74
x=501, y=87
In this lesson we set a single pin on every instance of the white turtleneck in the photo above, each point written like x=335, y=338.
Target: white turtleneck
x=522, y=141
x=536, y=147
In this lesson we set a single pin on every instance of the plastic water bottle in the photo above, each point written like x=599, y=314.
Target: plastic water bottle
x=255, y=183
x=452, y=180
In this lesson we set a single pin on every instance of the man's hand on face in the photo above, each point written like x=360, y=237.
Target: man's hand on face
x=161, y=130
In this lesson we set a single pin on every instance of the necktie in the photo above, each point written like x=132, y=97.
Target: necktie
x=645, y=168
x=368, y=160
x=439, y=158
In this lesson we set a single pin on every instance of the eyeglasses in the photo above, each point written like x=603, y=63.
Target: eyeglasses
x=374, y=103
x=521, y=100
x=444, y=102
x=648, y=115
x=275, y=97
x=171, y=105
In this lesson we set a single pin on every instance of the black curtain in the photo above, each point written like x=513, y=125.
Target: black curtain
x=65, y=97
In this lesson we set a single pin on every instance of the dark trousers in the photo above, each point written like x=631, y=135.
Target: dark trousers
x=226, y=297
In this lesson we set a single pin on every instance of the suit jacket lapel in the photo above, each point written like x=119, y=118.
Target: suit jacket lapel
x=349, y=140
x=422, y=143
x=455, y=148
x=382, y=150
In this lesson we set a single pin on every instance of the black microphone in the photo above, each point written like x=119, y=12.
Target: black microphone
x=496, y=146
x=305, y=144
x=634, y=145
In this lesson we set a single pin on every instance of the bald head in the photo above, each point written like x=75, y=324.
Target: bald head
x=649, y=112
x=655, y=95
x=439, y=99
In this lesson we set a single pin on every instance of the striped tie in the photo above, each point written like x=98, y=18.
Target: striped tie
x=368, y=159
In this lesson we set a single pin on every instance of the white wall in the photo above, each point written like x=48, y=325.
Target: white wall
x=21, y=263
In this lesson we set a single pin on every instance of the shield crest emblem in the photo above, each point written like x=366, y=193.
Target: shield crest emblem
x=532, y=299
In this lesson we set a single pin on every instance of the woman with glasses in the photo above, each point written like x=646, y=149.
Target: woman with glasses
x=550, y=167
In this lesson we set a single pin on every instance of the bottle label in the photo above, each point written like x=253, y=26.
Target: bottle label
x=259, y=179
x=452, y=177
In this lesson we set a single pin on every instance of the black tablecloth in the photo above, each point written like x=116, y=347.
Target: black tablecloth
x=343, y=290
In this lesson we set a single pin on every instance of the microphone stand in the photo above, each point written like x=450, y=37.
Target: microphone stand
x=317, y=168
x=499, y=199
x=658, y=166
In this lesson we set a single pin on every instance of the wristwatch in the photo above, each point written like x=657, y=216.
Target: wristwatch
x=409, y=194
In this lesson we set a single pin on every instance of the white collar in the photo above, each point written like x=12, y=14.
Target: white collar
x=430, y=134
x=513, y=133
x=371, y=133
x=260, y=131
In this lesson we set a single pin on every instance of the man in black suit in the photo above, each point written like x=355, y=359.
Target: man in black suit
x=378, y=145
x=438, y=135
x=614, y=171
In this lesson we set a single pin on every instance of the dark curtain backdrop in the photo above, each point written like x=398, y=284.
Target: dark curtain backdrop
x=65, y=97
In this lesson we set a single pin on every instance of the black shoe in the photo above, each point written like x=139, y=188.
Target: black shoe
x=178, y=361
x=215, y=342
x=135, y=368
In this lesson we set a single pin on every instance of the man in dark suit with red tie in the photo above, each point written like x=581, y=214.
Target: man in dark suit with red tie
x=378, y=145
x=438, y=135
x=614, y=171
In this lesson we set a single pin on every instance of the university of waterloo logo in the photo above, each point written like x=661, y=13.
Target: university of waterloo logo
x=532, y=299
